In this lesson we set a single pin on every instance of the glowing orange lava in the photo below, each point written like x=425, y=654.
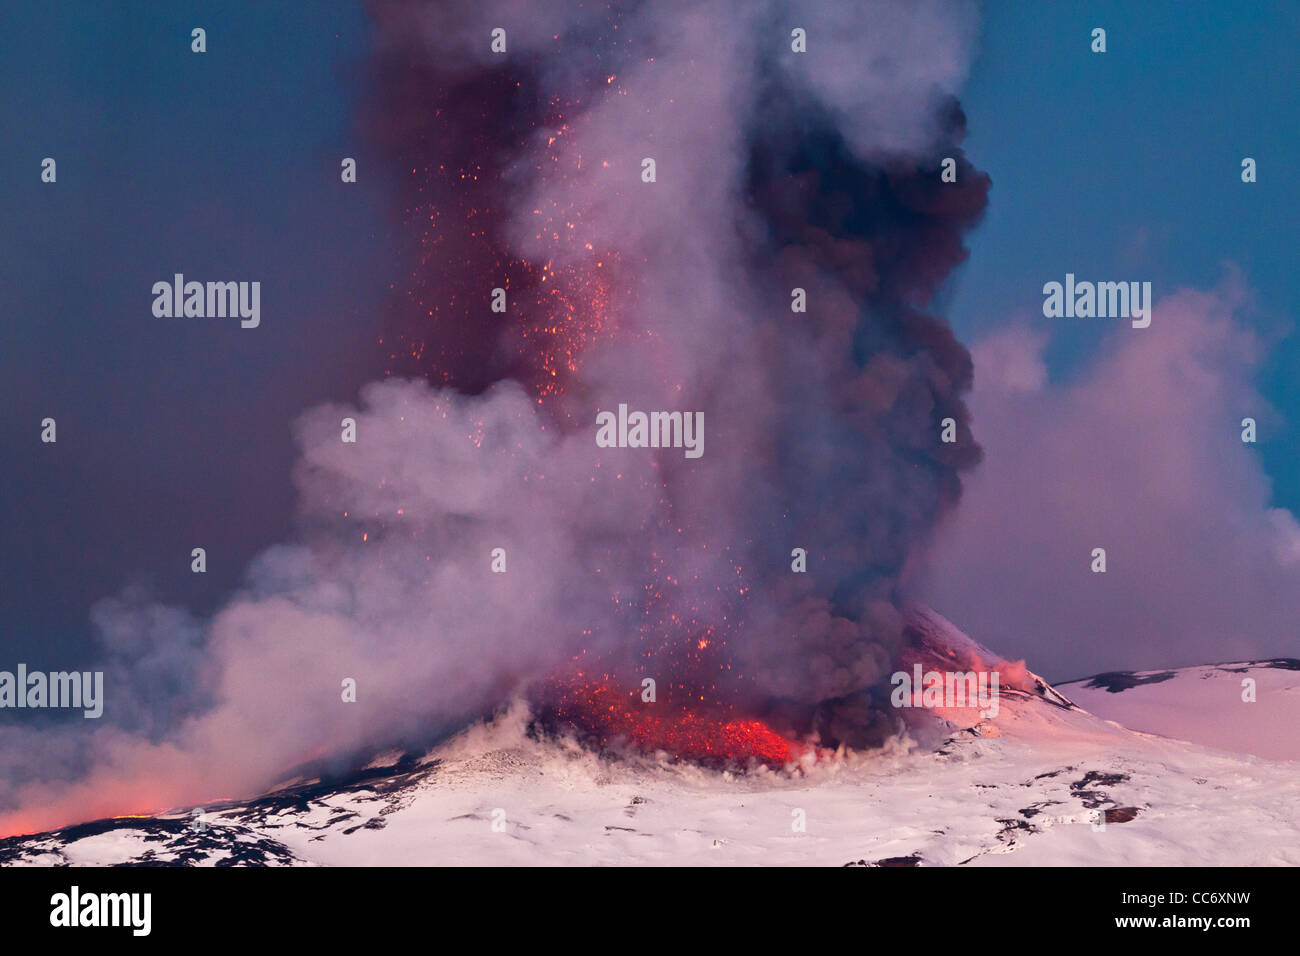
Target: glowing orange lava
x=711, y=734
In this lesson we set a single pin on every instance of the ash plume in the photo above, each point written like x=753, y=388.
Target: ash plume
x=521, y=170
x=777, y=172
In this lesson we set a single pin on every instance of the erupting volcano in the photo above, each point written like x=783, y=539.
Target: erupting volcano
x=695, y=710
x=629, y=208
x=777, y=272
x=610, y=718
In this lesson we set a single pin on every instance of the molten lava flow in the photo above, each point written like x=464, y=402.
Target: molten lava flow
x=680, y=723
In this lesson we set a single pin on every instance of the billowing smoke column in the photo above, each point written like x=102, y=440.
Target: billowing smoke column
x=774, y=170
x=523, y=171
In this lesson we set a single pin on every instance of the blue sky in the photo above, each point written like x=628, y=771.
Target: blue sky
x=225, y=166
x=1127, y=165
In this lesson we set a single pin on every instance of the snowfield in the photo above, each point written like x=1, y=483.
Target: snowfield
x=1205, y=705
x=1042, y=783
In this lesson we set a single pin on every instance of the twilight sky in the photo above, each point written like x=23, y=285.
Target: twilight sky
x=1127, y=166
x=1119, y=166
x=224, y=165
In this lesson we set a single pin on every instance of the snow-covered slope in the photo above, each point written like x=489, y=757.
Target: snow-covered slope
x=1043, y=782
x=1207, y=705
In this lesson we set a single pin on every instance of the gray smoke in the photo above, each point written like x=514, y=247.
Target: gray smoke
x=774, y=170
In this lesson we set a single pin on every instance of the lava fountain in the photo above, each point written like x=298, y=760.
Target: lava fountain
x=778, y=274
